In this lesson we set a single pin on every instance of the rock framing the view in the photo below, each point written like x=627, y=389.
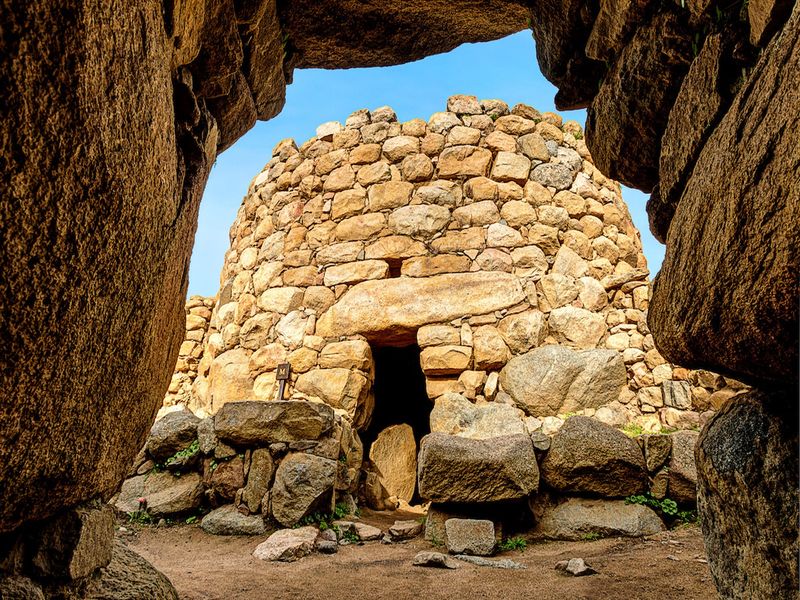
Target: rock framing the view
x=96, y=270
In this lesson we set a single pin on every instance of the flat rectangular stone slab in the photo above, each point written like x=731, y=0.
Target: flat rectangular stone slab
x=257, y=423
x=391, y=310
x=457, y=469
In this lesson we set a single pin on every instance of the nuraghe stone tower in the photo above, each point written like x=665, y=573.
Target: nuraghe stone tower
x=472, y=275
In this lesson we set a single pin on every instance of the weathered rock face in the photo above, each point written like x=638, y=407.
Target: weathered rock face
x=629, y=114
x=321, y=35
x=587, y=456
x=456, y=469
x=748, y=496
x=140, y=160
x=748, y=167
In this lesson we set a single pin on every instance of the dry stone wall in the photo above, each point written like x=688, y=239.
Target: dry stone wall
x=484, y=235
x=198, y=315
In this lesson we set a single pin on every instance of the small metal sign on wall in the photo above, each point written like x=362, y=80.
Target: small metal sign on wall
x=282, y=375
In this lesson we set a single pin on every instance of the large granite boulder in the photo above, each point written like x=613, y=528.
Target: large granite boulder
x=227, y=520
x=455, y=415
x=554, y=380
x=457, y=469
x=166, y=494
x=95, y=253
x=254, y=423
x=577, y=518
x=587, y=456
x=175, y=431
x=303, y=482
x=747, y=496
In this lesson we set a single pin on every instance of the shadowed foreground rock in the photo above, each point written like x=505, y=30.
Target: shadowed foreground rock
x=748, y=497
x=91, y=312
x=130, y=577
x=733, y=249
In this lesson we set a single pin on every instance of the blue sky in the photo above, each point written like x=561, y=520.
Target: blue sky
x=504, y=69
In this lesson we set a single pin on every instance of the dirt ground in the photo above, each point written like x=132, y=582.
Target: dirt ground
x=206, y=567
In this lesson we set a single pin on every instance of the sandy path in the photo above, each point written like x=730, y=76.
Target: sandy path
x=205, y=567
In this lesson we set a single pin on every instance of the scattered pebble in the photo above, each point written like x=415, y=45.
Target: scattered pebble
x=434, y=559
x=576, y=567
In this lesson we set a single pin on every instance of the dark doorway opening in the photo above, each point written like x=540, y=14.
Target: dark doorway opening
x=400, y=395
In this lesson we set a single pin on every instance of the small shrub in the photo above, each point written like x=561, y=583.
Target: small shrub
x=318, y=519
x=669, y=507
x=590, y=537
x=514, y=543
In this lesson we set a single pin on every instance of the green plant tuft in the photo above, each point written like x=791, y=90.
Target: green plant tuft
x=351, y=536
x=193, y=449
x=141, y=517
x=667, y=506
x=514, y=543
x=590, y=537
x=633, y=430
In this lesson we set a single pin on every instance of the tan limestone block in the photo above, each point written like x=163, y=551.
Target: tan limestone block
x=445, y=360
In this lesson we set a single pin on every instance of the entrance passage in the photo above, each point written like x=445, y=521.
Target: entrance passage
x=400, y=395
